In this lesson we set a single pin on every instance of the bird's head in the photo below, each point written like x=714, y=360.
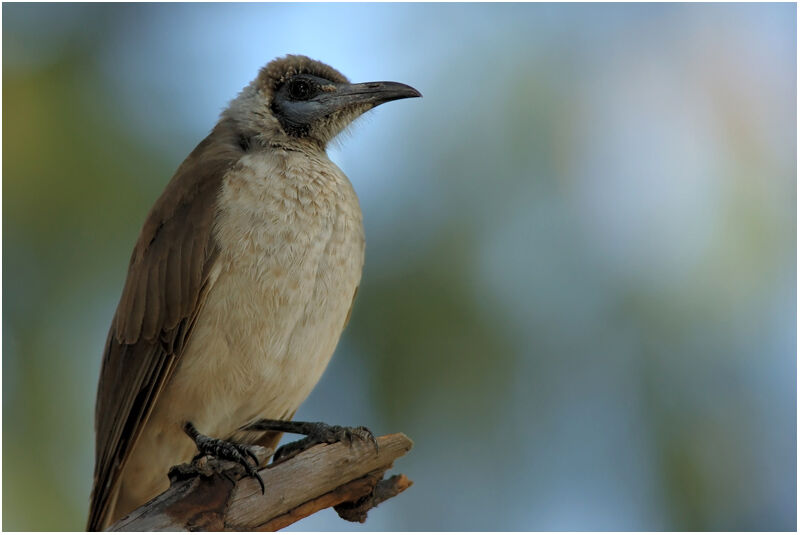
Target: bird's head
x=297, y=100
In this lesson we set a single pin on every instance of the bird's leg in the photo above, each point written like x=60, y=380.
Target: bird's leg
x=224, y=450
x=316, y=433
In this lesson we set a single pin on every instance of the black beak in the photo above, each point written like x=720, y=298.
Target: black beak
x=297, y=116
x=373, y=93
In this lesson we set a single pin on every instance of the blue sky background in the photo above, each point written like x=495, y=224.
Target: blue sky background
x=579, y=297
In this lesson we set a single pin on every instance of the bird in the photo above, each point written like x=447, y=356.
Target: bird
x=239, y=286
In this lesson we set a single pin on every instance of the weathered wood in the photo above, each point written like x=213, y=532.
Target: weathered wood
x=350, y=493
x=324, y=476
x=356, y=510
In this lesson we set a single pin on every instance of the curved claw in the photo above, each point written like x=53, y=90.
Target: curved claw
x=251, y=469
x=361, y=433
x=252, y=472
x=370, y=436
x=222, y=449
x=244, y=450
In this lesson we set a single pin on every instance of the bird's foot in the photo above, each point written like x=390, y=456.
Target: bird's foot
x=316, y=433
x=225, y=450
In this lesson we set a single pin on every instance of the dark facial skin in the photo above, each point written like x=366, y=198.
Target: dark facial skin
x=305, y=101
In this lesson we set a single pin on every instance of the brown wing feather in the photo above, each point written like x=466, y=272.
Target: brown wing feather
x=166, y=284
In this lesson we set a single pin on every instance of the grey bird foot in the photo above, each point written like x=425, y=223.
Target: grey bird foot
x=224, y=450
x=316, y=433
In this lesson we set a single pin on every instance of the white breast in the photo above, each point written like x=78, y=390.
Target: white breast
x=291, y=251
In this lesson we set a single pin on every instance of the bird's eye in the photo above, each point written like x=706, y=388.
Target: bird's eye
x=299, y=90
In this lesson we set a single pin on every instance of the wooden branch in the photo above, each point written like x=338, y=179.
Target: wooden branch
x=218, y=497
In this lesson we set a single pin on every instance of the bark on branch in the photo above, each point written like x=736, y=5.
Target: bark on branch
x=346, y=477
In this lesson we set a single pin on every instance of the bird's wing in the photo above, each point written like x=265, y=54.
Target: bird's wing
x=167, y=281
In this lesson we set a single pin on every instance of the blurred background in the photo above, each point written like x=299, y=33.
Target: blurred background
x=579, y=296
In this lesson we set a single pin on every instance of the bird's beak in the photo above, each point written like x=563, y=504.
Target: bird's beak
x=371, y=93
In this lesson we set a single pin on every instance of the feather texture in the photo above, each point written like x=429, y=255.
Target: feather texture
x=168, y=277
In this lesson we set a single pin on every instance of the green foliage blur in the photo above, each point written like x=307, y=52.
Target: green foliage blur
x=579, y=292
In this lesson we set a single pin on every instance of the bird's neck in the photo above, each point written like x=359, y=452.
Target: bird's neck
x=252, y=117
